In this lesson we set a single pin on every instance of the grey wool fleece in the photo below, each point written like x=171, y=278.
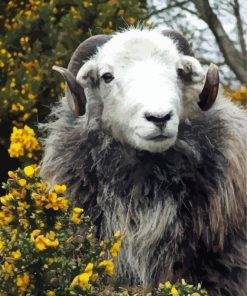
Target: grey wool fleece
x=183, y=212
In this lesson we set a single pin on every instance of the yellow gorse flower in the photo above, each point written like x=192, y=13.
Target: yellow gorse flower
x=16, y=255
x=115, y=248
x=82, y=279
x=12, y=175
x=77, y=212
x=6, y=217
x=56, y=203
x=168, y=285
x=8, y=267
x=109, y=266
x=23, y=281
x=89, y=268
x=22, y=182
x=174, y=291
x=50, y=293
x=29, y=171
x=6, y=198
x=117, y=234
x=59, y=189
x=23, y=141
x=42, y=242
x=1, y=244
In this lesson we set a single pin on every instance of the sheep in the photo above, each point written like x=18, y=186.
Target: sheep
x=145, y=147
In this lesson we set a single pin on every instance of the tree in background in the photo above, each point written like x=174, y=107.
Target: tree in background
x=216, y=30
x=34, y=36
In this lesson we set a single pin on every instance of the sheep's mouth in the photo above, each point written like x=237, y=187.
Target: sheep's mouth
x=159, y=138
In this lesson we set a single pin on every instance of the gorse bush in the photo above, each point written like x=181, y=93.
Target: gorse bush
x=48, y=247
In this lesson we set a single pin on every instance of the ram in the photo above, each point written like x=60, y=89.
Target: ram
x=144, y=147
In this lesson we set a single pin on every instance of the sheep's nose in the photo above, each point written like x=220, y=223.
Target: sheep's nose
x=158, y=119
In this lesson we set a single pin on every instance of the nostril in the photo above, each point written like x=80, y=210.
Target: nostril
x=158, y=119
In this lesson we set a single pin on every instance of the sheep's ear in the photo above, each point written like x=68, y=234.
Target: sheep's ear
x=74, y=92
x=190, y=70
x=87, y=75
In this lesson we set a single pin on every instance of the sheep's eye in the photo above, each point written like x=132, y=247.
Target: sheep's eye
x=108, y=77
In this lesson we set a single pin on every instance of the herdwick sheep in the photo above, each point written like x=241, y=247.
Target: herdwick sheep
x=156, y=157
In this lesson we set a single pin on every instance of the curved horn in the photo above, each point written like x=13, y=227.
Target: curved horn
x=210, y=89
x=181, y=43
x=75, y=93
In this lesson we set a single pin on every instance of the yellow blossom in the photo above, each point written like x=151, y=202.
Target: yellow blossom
x=86, y=4
x=117, y=234
x=40, y=242
x=29, y=171
x=22, y=182
x=81, y=280
x=52, y=243
x=174, y=291
x=50, y=293
x=115, y=248
x=78, y=211
x=34, y=234
x=31, y=97
x=22, y=140
x=131, y=20
x=22, y=206
x=195, y=294
x=1, y=244
x=23, y=281
x=168, y=285
x=58, y=225
x=8, y=267
x=60, y=188
x=56, y=203
x=89, y=268
x=6, y=198
x=6, y=217
x=12, y=175
x=76, y=215
x=24, y=223
x=51, y=240
x=16, y=255
x=109, y=266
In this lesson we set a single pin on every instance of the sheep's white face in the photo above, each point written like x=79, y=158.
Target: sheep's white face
x=135, y=76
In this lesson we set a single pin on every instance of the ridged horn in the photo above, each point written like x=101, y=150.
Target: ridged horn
x=210, y=90
x=75, y=93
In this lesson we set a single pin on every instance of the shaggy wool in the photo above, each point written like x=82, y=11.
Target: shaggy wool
x=182, y=212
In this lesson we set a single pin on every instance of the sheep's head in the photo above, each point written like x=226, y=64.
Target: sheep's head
x=138, y=78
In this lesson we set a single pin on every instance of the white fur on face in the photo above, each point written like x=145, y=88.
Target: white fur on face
x=144, y=65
